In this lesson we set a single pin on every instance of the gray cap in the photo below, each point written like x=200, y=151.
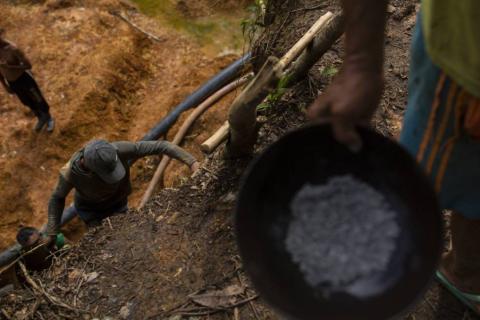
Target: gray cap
x=101, y=157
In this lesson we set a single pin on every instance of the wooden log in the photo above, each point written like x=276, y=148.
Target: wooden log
x=218, y=137
x=297, y=49
x=242, y=114
x=325, y=38
x=184, y=129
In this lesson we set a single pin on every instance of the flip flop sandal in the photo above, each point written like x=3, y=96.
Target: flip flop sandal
x=469, y=300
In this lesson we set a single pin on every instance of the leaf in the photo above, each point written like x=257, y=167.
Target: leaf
x=74, y=275
x=90, y=276
x=329, y=71
x=219, y=299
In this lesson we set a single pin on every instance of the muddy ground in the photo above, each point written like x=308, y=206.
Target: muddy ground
x=103, y=80
x=158, y=263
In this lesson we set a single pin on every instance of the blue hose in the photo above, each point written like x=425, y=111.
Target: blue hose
x=213, y=85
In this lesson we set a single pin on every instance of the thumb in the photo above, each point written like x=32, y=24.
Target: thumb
x=345, y=132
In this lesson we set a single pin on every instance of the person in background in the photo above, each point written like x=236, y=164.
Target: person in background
x=442, y=122
x=37, y=250
x=100, y=175
x=16, y=78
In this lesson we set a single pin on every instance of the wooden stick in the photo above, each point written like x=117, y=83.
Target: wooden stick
x=321, y=44
x=53, y=300
x=250, y=303
x=242, y=114
x=301, y=44
x=6, y=315
x=8, y=266
x=133, y=25
x=330, y=26
x=185, y=127
x=218, y=137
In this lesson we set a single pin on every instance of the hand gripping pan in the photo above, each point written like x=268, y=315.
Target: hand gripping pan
x=311, y=155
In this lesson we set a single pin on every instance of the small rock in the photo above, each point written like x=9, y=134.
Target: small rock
x=125, y=310
x=89, y=277
x=228, y=198
x=391, y=9
x=175, y=317
x=74, y=275
x=174, y=217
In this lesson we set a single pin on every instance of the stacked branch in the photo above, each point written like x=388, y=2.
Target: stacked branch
x=241, y=130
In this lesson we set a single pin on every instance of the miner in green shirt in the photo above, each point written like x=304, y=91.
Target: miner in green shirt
x=442, y=123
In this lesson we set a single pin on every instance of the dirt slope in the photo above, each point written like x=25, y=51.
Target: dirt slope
x=102, y=80
x=148, y=264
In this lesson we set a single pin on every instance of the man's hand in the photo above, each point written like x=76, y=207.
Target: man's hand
x=350, y=101
x=354, y=95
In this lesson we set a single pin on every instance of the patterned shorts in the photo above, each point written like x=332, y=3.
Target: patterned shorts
x=442, y=130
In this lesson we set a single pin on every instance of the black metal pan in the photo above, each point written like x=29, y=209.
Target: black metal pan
x=311, y=155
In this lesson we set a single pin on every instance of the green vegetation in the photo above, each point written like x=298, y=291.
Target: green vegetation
x=220, y=30
x=250, y=25
x=329, y=71
x=276, y=95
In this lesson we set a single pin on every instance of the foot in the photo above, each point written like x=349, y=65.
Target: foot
x=40, y=124
x=50, y=124
x=469, y=300
x=465, y=275
x=462, y=284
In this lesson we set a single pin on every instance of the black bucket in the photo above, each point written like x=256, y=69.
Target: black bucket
x=311, y=155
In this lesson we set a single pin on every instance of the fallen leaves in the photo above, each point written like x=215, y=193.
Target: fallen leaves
x=219, y=298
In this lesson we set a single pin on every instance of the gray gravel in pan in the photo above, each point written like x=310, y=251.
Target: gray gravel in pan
x=340, y=232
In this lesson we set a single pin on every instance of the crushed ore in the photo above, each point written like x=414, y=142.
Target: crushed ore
x=341, y=232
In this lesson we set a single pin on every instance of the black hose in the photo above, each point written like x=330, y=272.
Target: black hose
x=213, y=85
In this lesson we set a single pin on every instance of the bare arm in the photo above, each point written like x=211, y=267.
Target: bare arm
x=361, y=75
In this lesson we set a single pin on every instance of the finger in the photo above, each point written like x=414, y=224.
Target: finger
x=345, y=132
x=319, y=109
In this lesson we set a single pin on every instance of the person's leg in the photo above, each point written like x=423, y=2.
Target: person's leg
x=93, y=218
x=89, y=217
x=30, y=95
x=40, y=104
x=120, y=208
x=20, y=87
x=461, y=265
x=435, y=134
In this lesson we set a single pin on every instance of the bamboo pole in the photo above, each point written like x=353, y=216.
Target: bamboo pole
x=218, y=137
x=247, y=109
x=134, y=26
x=184, y=129
x=301, y=44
